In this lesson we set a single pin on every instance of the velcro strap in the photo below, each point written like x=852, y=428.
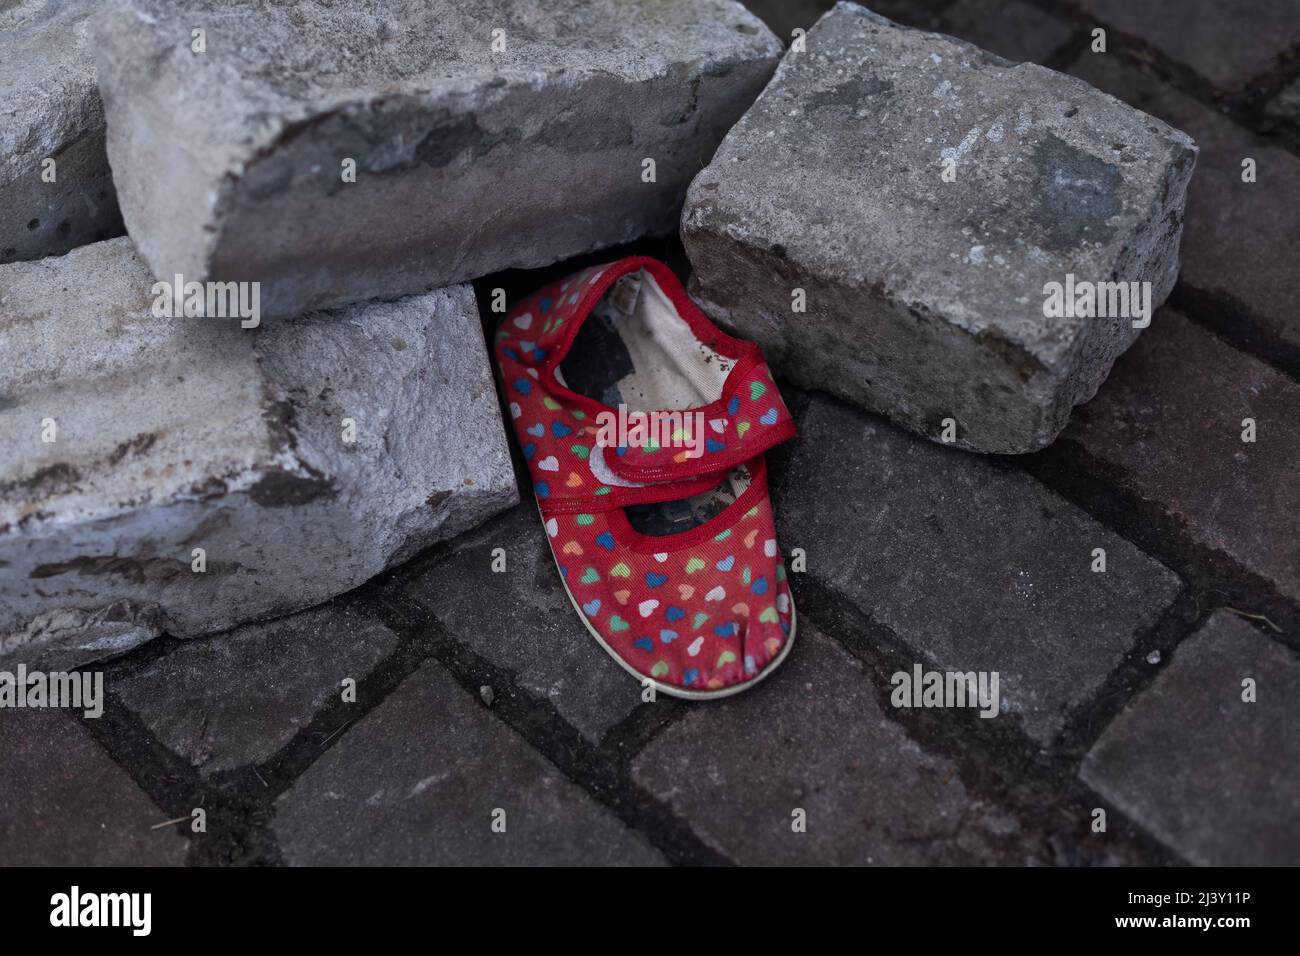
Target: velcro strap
x=693, y=451
x=749, y=418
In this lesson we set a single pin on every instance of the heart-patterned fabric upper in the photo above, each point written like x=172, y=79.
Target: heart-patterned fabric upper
x=699, y=611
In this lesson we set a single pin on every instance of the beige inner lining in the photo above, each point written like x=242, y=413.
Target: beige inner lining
x=671, y=368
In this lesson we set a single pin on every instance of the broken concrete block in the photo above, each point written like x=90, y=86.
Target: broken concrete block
x=927, y=205
x=189, y=474
x=55, y=189
x=339, y=152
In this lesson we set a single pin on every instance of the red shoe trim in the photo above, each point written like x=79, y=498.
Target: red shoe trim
x=628, y=537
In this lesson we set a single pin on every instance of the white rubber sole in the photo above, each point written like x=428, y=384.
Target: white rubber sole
x=668, y=688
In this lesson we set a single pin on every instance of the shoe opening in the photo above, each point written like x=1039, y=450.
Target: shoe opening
x=636, y=350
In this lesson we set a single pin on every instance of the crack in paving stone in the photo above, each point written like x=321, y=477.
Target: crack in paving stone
x=634, y=732
x=1245, y=106
x=329, y=724
x=237, y=827
x=1131, y=676
x=1066, y=53
x=1215, y=578
x=1239, y=326
x=240, y=803
x=600, y=771
x=998, y=763
x=1192, y=803
x=938, y=527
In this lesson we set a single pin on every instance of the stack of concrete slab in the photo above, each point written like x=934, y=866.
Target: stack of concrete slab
x=186, y=474
x=336, y=169
x=892, y=218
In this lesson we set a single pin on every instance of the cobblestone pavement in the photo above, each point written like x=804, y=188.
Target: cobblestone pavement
x=412, y=719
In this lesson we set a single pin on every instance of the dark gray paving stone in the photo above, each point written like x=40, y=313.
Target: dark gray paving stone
x=1287, y=103
x=1014, y=30
x=1227, y=43
x=972, y=566
x=63, y=802
x=1215, y=778
x=815, y=737
x=416, y=783
x=1170, y=420
x=1236, y=236
x=237, y=698
x=522, y=620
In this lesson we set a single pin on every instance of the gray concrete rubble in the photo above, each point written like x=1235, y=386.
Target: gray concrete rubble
x=482, y=136
x=303, y=456
x=55, y=189
x=918, y=196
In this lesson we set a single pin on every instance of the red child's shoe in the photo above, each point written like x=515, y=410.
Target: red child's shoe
x=653, y=417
